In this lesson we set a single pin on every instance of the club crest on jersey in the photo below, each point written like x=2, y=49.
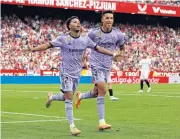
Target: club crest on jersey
x=99, y=34
x=68, y=40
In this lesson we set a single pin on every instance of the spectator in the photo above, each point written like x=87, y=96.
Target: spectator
x=162, y=43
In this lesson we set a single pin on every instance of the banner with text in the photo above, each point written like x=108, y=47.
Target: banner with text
x=116, y=76
x=133, y=77
x=100, y=5
x=12, y=72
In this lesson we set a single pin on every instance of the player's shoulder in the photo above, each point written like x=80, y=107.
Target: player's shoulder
x=62, y=35
x=149, y=60
x=95, y=30
x=84, y=35
x=116, y=30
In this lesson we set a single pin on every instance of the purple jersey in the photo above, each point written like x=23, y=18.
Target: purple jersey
x=110, y=41
x=72, y=50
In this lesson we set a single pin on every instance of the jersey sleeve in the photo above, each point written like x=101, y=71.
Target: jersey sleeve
x=91, y=35
x=120, y=40
x=57, y=42
x=90, y=43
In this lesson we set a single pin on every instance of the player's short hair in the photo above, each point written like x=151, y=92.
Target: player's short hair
x=107, y=12
x=68, y=21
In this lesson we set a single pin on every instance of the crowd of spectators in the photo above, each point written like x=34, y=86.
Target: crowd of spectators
x=160, y=42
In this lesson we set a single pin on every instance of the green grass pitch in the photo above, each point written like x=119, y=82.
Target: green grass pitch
x=154, y=115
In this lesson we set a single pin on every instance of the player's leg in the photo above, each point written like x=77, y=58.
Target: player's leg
x=101, y=106
x=91, y=93
x=99, y=79
x=141, y=82
x=57, y=97
x=86, y=95
x=110, y=89
x=67, y=85
x=141, y=86
x=147, y=82
x=51, y=97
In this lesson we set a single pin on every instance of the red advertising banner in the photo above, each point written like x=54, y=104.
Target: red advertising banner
x=134, y=77
x=116, y=76
x=99, y=5
x=13, y=72
x=49, y=73
x=163, y=74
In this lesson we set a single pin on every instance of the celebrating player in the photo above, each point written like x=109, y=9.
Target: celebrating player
x=101, y=64
x=72, y=46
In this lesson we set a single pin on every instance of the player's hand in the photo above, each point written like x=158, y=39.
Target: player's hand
x=118, y=57
x=31, y=47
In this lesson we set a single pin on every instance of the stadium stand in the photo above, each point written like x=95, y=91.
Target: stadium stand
x=161, y=42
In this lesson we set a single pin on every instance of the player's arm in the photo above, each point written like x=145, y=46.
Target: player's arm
x=140, y=66
x=120, y=44
x=150, y=66
x=116, y=55
x=84, y=60
x=41, y=47
x=121, y=41
x=45, y=46
x=104, y=51
x=94, y=46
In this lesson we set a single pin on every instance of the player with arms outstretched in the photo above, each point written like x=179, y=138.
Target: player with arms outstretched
x=72, y=46
x=101, y=64
x=145, y=70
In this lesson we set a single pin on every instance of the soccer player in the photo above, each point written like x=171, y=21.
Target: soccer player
x=145, y=69
x=110, y=38
x=72, y=46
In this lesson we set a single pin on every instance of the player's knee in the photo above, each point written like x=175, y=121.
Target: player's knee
x=68, y=96
x=95, y=89
x=95, y=93
x=101, y=88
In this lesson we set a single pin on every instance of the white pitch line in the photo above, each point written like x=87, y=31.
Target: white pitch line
x=167, y=92
x=123, y=94
x=38, y=115
x=34, y=121
x=148, y=95
x=30, y=114
x=23, y=91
